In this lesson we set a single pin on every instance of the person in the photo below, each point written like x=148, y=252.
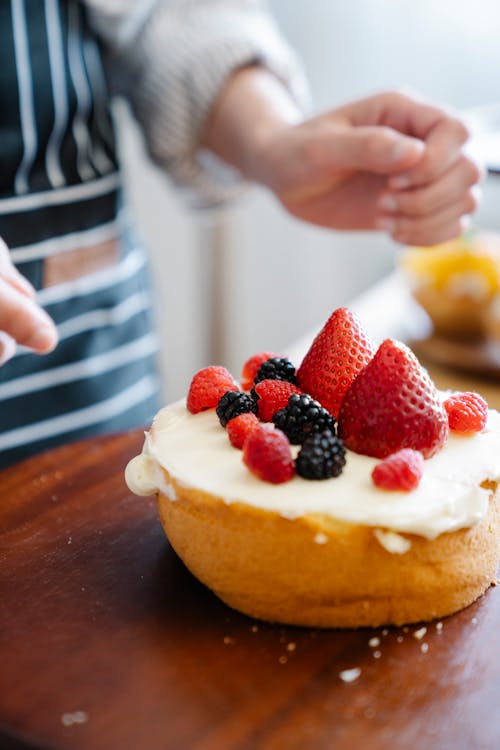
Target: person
x=220, y=98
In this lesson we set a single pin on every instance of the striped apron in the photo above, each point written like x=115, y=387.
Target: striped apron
x=61, y=214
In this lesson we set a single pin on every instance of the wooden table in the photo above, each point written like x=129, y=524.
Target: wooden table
x=107, y=642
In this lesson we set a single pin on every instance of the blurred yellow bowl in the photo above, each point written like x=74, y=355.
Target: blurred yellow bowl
x=455, y=282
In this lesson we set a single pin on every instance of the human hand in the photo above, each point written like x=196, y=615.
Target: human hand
x=22, y=321
x=387, y=162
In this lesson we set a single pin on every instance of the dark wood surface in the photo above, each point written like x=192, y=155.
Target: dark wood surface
x=107, y=642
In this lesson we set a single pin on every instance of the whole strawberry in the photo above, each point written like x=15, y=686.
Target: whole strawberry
x=338, y=353
x=393, y=404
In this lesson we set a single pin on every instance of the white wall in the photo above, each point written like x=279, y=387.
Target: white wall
x=281, y=277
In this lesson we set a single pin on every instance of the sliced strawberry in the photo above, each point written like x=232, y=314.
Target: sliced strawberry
x=239, y=428
x=267, y=454
x=393, y=404
x=207, y=388
x=467, y=412
x=251, y=367
x=338, y=353
x=399, y=471
x=273, y=395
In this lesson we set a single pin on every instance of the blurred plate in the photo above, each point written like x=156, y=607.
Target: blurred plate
x=482, y=357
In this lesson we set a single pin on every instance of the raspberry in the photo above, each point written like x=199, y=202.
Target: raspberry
x=267, y=454
x=208, y=386
x=400, y=471
x=338, y=353
x=322, y=456
x=240, y=427
x=251, y=367
x=276, y=368
x=301, y=417
x=271, y=396
x=467, y=412
x=392, y=404
x=234, y=403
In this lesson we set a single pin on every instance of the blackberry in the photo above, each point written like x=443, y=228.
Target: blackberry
x=234, y=403
x=303, y=416
x=276, y=368
x=322, y=456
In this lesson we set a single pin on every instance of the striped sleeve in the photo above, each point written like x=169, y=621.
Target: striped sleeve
x=171, y=58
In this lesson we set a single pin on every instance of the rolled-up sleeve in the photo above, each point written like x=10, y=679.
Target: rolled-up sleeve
x=170, y=58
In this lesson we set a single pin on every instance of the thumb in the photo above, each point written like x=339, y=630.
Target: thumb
x=375, y=149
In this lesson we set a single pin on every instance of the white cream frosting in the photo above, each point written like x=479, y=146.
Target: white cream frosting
x=196, y=451
x=392, y=542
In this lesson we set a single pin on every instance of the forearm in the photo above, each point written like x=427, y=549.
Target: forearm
x=252, y=108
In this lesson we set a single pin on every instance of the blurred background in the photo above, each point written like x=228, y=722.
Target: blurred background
x=252, y=278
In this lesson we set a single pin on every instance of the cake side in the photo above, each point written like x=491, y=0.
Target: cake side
x=320, y=572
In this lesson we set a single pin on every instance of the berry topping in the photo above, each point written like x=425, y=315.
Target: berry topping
x=234, y=403
x=301, y=417
x=467, y=412
x=338, y=353
x=208, y=386
x=239, y=428
x=251, y=367
x=400, y=471
x=276, y=368
x=393, y=404
x=322, y=456
x=267, y=454
x=271, y=396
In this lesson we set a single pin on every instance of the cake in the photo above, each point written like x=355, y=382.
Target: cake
x=341, y=551
x=458, y=284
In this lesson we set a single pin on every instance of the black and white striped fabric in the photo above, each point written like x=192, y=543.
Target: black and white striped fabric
x=60, y=184
x=60, y=191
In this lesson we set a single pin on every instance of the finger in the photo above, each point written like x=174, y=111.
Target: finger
x=26, y=322
x=439, y=227
x=7, y=347
x=436, y=235
x=449, y=189
x=18, y=281
x=443, y=133
x=443, y=148
x=401, y=112
x=337, y=209
x=9, y=272
x=370, y=149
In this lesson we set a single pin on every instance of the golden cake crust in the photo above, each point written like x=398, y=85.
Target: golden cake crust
x=319, y=572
